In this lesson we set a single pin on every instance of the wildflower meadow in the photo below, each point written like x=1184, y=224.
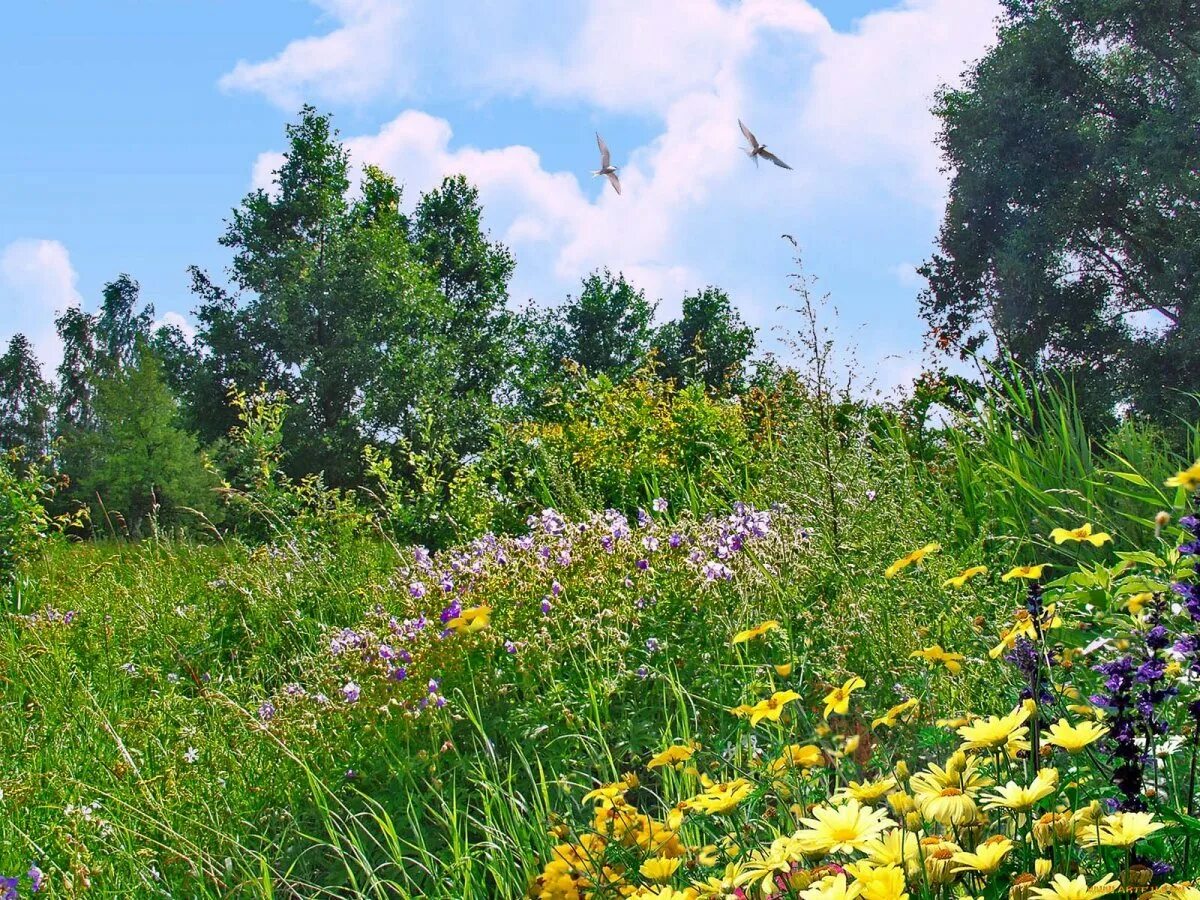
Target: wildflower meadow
x=700, y=696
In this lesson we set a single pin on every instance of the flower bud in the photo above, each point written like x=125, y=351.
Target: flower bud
x=901, y=803
x=901, y=770
x=1042, y=869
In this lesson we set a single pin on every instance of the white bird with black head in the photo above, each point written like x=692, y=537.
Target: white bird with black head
x=606, y=166
x=757, y=150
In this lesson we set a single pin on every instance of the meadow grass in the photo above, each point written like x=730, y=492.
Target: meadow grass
x=273, y=718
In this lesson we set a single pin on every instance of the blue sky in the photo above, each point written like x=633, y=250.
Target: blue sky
x=135, y=127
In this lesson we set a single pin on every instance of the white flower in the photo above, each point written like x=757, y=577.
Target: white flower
x=192, y=755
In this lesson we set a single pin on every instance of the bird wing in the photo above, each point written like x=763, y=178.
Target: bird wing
x=749, y=135
x=612, y=176
x=605, y=156
x=775, y=159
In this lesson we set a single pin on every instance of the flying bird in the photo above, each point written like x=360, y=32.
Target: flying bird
x=606, y=166
x=758, y=150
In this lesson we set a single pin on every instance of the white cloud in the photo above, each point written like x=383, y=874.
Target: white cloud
x=906, y=274
x=176, y=320
x=850, y=111
x=871, y=92
x=37, y=282
x=350, y=63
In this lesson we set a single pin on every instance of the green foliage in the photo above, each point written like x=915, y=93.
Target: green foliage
x=24, y=400
x=1072, y=235
x=149, y=471
x=709, y=345
x=264, y=500
x=24, y=521
x=621, y=445
x=361, y=316
x=606, y=330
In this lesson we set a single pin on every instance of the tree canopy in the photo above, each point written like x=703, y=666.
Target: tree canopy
x=1072, y=234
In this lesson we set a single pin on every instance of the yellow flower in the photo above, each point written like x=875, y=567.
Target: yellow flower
x=987, y=856
x=796, y=756
x=881, y=882
x=719, y=797
x=1188, y=479
x=756, y=632
x=1029, y=573
x=838, y=700
x=1021, y=799
x=964, y=576
x=868, y=791
x=783, y=670
x=1074, y=738
x=610, y=794
x=1123, y=829
x=771, y=708
x=1137, y=602
x=962, y=772
x=1063, y=888
x=674, y=755
x=476, y=618
x=842, y=829
x=833, y=888
x=935, y=654
x=657, y=868
x=1025, y=626
x=907, y=560
x=658, y=892
x=950, y=806
x=892, y=717
x=1081, y=534
x=994, y=731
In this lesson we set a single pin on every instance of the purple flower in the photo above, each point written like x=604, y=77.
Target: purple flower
x=266, y=711
x=643, y=518
x=453, y=611
x=871, y=496
x=439, y=701
x=36, y=879
x=510, y=647
x=643, y=564
x=416, y=590
x=399, y=673
x=652, y=645
x=659, y=505
x=643, y=672
x=8, y=889
x=650, y=542
x=386, y=652
x=675, y=540
x=546, y=606
x=714, y=571
x=555, y=588
x=434, y=684
x=351, y=692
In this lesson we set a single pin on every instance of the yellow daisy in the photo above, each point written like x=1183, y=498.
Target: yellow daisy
x=1029, y=573
x=838, y=700
x=1188, y=479
x=756, y=632
x=935, y=654
x=964, y=576
x=1082, y=534
x=909, y=559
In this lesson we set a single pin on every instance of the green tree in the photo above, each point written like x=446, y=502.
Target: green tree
x=145, y=463
x=1072, y=233
x=709, y=345
x=24, y=400
x=75, y=402
x=473, y=274
x=120, y=327
x=341, y=314
x=606, y=329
